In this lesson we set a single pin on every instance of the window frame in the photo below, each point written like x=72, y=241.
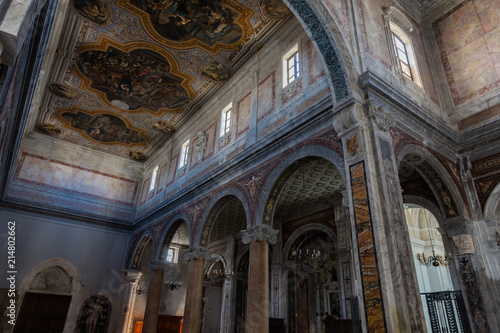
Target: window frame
x=226, y=120
x=184, y=155
x=292, y=55
x=154, y=176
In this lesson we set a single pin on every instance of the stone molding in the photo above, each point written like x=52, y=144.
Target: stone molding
x=197, y=253
x=346, y=118
x=130, y=276
x=260, y=233
x=383, y=119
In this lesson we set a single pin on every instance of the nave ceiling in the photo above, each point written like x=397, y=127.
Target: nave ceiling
x=139, y=66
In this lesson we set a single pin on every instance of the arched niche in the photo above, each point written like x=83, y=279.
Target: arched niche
x=145, y=243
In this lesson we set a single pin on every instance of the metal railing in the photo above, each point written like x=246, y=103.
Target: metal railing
x=446, y=312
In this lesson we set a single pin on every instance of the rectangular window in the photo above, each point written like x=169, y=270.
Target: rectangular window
x=184, y=154
x=225, y=126
x=402, y=55
x=291, y=66
x=171, y=255
x=153, y=179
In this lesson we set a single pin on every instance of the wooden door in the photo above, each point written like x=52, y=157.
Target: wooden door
x=169, y=324
x=42, y=313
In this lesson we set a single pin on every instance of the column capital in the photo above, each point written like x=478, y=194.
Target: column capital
x=383, y=119
x=158, y=264
x=260, y=233
x=197, y=253
x=347, y=118
x=131, y=276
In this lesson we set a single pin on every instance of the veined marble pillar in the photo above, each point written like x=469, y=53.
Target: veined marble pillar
x=192, y=308
x=157, y=267
x=257, y=318
x=390, y=299
x=130, y=279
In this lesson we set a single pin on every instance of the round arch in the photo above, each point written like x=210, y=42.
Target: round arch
x=491, y=204
x=266, y=204
x=429, y=163
x=300, y=231
x=166, y=237
x=145, y=237
x=214, y=208
x=331, y=45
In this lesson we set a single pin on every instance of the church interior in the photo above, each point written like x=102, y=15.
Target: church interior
x=249, y=166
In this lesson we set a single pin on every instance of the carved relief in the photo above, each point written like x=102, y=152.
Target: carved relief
x=94, y=315
x=383, y=119
x=464, y=244
x=197, y=253
x=54, y=279
x=201, y=145
x=259, y=234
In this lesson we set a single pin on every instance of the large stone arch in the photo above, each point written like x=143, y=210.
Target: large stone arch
x=430, y=163
x=138, y=248
x=274, y=183
x=174, y=223
x=325, y=33
x=214, y=208
x=490, y=208
x=297, y=233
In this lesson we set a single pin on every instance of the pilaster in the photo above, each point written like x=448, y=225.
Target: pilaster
x=157, y=267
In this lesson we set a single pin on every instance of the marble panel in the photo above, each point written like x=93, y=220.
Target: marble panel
x=375, y=30
x=492, y=40
x=144, y=192
x=369, y=272
x=211, y=134
x=243, y=115
x=171, y=169
x=162, y=175
x=267, y=96
x=338, y=10
x=316, y=70
x=460, y=28
x=488, y=10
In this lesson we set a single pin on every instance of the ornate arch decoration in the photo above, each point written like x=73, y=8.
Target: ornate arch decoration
x=214, y=208
x=54, y=266
x=300, y=231
x=283, y=171
x=330, y=44
x=139, y=249
x=492, y=203
x=438, y=179
x=175, y=222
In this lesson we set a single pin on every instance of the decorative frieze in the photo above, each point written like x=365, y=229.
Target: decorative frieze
x=260, y=233
x=197, y=253
x=464, y=244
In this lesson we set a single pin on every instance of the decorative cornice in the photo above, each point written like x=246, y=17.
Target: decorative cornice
x=346, y=118
x=383, y=119
x=260, y=233
x=130, y=276
x=197, y=253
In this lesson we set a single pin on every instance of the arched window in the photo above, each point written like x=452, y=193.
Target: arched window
x=401, y=46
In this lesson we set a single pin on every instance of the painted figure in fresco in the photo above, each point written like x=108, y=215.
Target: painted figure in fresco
x=140, y=78
x=274, y=9
x=201, y=145
x=49, y=129
x=93, y=10
x=216, y=71
x=209, y=21
x=136, y=155
x=103, y=127
x=63, y=91
x=164, y=127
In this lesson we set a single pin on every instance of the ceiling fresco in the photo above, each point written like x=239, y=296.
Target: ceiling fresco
x=139, y=64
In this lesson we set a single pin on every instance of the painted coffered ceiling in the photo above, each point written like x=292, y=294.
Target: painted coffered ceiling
x=139, y=65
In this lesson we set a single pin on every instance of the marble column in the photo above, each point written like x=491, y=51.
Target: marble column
x=130, y=280
x=389, y=297
x=192, y=309
x=257, y=317
x=157, y=267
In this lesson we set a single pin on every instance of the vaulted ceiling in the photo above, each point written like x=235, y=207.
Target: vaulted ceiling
x=139, y=65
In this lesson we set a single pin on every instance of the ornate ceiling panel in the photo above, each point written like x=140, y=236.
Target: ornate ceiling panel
x=138, y=64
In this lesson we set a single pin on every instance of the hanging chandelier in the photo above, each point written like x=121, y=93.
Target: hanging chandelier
x=217, y=276
x=309, y=257
x=434, y=260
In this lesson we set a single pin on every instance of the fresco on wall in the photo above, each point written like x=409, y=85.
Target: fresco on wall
x=133, y=80
x=103, y=127
x=164, y=126
x=208, y=21
x=215, y=71
x=274, y=9
x=64, y=91
x=136, y=155
x=94, y=315
x=49, y=129
x=243, y=116
x=96, y=11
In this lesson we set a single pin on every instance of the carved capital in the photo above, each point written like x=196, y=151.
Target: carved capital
x=260, y=233
x=130, y=276
x=346, y=118
x=464, y=244
x=197, y=253
x=383, y=119
x=465, y=167
x=158, y=264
